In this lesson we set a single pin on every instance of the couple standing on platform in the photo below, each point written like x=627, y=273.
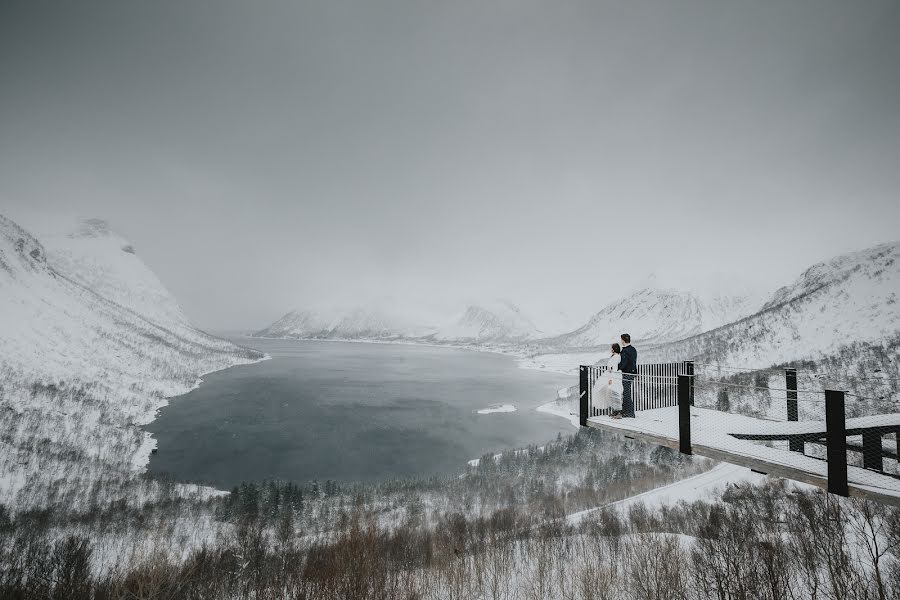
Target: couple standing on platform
x=614, y=396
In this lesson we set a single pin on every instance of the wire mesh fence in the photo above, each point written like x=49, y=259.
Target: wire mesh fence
x=782, y=421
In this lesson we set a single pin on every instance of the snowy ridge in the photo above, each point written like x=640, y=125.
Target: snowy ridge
x=82, y=366
x=91, y=254
x=364, y=323
x=653, y=316
x=851, y=298
x=650, y=315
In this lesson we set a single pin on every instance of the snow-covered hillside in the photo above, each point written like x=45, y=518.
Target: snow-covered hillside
x=91, y=254
x=653, y=315
x=851, y=298
x=92, y=345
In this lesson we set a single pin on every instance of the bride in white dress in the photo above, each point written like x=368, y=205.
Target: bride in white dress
x=609, y=385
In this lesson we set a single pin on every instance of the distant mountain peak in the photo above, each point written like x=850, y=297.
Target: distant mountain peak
x=654, y=315
x=499, y=321
x=91, y=228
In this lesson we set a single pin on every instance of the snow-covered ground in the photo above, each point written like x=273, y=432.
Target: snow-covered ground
x=705, y=486
x=564, y=408
x=722, y=432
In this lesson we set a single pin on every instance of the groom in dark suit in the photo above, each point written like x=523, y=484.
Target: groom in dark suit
x=628, y=366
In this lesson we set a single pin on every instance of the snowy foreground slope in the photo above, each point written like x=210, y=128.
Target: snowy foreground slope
x=92, y=345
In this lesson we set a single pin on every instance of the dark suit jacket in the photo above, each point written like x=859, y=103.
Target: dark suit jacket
x=628, y=360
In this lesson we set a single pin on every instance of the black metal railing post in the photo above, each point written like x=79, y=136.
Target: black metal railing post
x=836, y=439
x=790, y=383
x=689, y=371
x=897, y=442
x=872, y=450
x=683, y=397
x=584, y=395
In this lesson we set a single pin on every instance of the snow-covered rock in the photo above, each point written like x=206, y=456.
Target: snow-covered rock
x=91, y=345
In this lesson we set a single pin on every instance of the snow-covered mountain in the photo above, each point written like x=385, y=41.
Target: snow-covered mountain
x=851, y=298
x=650, y=315
x=92, y=345
x=494, y=322
x=358, y=323
x=91, y=254
x=498, y=322
x=653, y=316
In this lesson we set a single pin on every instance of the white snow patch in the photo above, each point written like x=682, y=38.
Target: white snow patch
x=705, y=486
x=562, y=408
x=497, y=408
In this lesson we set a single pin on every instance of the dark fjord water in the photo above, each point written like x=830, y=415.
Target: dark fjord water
x=351, y=412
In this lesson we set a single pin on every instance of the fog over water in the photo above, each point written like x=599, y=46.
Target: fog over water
x=267, y=155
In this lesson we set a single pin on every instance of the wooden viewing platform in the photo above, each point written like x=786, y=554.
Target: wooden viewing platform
x=754, y=442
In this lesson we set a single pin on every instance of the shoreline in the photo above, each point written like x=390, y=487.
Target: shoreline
x=524, y=359
x=141, y=459
x=142, y=456
x=400, y=342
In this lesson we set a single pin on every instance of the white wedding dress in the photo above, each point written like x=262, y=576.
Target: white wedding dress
x=608, y=387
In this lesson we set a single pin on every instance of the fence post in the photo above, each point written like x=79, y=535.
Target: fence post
x=689, y=371
x=897, y=441
x=836, y=439
x=683, y=396
x=790, y=383
x=872, y=450
x=583, y=399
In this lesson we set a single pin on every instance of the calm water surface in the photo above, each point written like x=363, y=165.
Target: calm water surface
x=348, y=411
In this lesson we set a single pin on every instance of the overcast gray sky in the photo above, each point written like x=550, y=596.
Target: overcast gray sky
x=268, y=154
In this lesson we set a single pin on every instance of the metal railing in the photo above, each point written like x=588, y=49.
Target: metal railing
x=654, y=385
x=761, y=419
